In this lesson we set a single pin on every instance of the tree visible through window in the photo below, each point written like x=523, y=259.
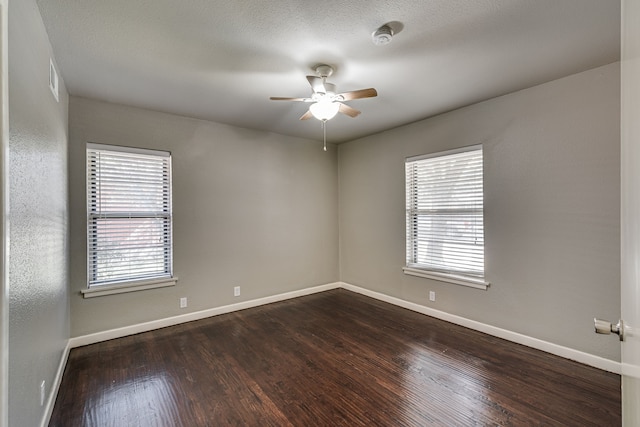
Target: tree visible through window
x=129, y=215
x=444, y=208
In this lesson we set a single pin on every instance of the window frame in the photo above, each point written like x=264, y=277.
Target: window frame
x=165, y=213
x=471, y=278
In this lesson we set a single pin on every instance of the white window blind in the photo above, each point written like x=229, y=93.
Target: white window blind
x=129, y=218
x=444, y=205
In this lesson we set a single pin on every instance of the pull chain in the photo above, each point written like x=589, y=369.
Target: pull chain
x=324, y=134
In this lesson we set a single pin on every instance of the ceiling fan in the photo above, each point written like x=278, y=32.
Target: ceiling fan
x=325, y=102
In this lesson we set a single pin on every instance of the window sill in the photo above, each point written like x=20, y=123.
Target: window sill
x=102, y=290
x=450, y=278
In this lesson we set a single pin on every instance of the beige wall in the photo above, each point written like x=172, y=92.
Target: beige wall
x=251, y=209
x=38, y=217
x=260, y=211
x=552, y=208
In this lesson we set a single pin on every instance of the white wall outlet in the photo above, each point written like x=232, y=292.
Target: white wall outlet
x=236, y=291
x=432, y=296
x=183, y=302
x=42, y=392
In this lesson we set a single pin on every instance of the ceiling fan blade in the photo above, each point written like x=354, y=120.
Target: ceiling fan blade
x=279, y=98
x=349, y=111
x=317, y=84
x=358, y=94
x=306, y=116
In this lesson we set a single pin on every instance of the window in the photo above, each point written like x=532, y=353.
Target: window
x=129, y=219
x=444, y=208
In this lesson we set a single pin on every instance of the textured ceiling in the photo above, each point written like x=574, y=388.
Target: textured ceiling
x=221, y=60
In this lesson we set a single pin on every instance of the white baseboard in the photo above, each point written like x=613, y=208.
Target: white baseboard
x=558, y=350
x=196, y=315
x=55, y=386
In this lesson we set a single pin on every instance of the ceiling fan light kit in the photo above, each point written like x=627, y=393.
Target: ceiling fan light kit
x=324, y=110
x=325, y=102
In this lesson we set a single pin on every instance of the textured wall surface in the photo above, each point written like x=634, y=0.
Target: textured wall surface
x=251, y=209
x=38, y=270
x=552, y=209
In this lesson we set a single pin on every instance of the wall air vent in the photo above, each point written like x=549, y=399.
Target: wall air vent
x=53, y=80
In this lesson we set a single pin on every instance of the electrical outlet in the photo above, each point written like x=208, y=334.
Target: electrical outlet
x=236, y=291
x=432, y=296
x=42, y=392
x=183, y=302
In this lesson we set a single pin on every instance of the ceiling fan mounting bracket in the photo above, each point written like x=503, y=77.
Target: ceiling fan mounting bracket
x=323, y=70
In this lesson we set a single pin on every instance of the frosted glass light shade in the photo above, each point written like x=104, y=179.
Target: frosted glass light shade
x=324, y=110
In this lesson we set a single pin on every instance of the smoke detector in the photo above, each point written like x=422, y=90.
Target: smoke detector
x=382, y=35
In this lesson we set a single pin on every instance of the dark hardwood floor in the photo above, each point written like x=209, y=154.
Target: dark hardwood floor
x=330, y=359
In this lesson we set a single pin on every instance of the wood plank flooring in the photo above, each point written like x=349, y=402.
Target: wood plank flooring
x=331, y=359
